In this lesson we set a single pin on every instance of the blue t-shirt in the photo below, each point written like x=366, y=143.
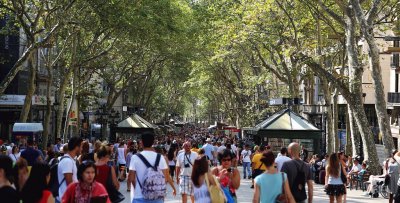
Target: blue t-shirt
x=31, y=155
x=271, y=183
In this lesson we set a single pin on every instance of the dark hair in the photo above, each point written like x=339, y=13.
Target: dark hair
x=201, y=151
x=7, y=165
x=171, y=153
x=82, y=168
x=74, y=142
x=333, y=166
x=85, y=147
x=37, y=182
x=284, y=150
x=103, y=151
x=261, y=148
x=147, y=139
x=268, y=158
x=14, y=148
x=200, y=167
x=224, y=153
x=30, y=142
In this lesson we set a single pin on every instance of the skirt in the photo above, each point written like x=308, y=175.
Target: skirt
x=335, y=190
x=392, y=187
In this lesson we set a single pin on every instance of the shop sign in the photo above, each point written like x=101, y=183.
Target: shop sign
x=73, y=115
x=12, y=100
x=41, y=100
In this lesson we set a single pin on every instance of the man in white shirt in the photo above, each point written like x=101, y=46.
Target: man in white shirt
x=221, y=147
x=209, y=150
x=245, y=155
x=184, y=166
x=137, y=169
x=282, y=159
x=67, y=170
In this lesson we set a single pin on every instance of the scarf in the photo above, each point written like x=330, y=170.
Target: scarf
x=83, y=192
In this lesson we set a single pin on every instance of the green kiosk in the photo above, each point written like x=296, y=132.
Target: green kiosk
x=285, y=127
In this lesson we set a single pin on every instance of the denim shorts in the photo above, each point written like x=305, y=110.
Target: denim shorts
x=142, y=200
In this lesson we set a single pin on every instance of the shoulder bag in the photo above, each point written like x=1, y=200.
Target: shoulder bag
x=113, y=193
x=282, y=198
x=216, y=194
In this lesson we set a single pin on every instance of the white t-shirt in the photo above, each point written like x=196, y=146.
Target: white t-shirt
x=209, y=150
x=14, y=157
x=182, y=159
x=66, y=165
x=356, y=168
x=246, y=155
x=221, y=148
x=140, y=168
x=280, y=160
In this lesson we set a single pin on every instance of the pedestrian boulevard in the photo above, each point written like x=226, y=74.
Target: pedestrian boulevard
x=245, y=194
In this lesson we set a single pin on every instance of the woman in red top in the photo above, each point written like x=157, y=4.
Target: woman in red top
x=87, y=189
x=36, y=188
x=103, y=170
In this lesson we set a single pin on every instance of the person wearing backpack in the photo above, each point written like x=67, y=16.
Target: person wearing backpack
x=148, y=173
x=66, y=168
x=298, y=173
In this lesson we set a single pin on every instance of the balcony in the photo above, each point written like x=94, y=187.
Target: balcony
x=394, y=98
x=313, y=109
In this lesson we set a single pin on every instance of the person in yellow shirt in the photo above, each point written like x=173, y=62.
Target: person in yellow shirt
x=257, y=166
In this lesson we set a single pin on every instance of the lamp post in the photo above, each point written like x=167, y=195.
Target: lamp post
x=56, y=105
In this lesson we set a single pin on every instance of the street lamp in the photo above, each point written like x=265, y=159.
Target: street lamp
x=56, y=105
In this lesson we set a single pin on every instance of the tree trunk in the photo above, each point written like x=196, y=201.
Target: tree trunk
x=47, y=117
x=374, y=62
x=31, y=87
x=330, y=139
x=349, y=143
x=354, y=134
x=61, y=97
x=335, y=121
x=355, y=100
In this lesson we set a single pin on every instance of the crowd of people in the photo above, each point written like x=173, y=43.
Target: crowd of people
x=204, y=166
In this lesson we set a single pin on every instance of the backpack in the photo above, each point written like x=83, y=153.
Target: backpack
x=153, y=186
x=54, y=183
x=298, y=187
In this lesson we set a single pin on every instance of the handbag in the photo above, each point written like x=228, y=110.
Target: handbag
x=216, y=194
x=282, y=198
x=114, y=195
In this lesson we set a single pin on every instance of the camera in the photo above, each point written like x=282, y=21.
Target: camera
x=187, y=165
x=230, y=169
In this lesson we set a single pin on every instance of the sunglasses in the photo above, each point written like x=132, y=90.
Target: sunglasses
x=223, y=160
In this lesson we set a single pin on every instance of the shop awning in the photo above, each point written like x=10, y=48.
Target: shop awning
x=28, y=127
x=135, y=121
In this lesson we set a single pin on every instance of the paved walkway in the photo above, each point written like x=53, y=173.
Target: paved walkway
x=245, y=194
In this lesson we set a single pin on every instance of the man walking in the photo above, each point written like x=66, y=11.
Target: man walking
x=282, y=158
x=246, y=153
x=298, y=173
x=67, y=170
x=138, y=169
x=209, y=150
x=184, y=168
x=30, y=154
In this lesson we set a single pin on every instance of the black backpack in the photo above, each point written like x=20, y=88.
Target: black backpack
x=53, y=183
x=298, y=187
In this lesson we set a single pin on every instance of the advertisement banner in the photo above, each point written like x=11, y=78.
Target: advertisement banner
x=73, y=114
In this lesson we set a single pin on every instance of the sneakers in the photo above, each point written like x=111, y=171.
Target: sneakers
x=252, y=186
x=249, y=177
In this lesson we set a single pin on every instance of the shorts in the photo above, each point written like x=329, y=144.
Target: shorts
x=185, y=185
x=335, y=190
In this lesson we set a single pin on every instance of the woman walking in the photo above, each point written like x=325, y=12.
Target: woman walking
x=333, y=183
x=271, y=180
x=14, y=154
x=199, y=175
x=172, y=160
x=228, y=175
x=87, y=189
x=392, y=169
x=36, y=189
x=121, y=159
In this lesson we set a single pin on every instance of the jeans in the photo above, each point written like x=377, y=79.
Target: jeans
x=246, y=168
x=142, y=200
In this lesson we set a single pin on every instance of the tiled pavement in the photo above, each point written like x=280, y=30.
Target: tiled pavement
x=245, y=194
